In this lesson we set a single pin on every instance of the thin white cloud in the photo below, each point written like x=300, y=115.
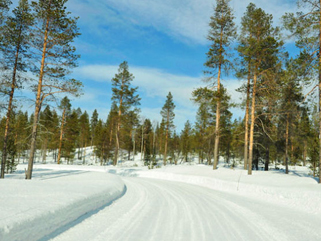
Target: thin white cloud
x=185, y=20
x=154, y=85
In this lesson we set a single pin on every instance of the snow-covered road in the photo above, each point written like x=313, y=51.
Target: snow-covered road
x=163, y=210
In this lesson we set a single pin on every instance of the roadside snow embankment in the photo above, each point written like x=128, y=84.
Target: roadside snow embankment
x=293, y=190
x=52, y=201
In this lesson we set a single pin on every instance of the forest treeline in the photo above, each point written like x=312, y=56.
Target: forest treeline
x=281, y=123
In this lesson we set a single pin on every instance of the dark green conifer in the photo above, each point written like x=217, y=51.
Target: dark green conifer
x=124, y=97
x=168, y=116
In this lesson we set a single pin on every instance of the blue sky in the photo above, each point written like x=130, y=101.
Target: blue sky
x=164, y=43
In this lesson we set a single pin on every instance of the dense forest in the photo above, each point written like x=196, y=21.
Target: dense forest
x=282, y=118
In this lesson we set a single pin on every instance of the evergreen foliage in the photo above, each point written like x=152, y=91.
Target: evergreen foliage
x=125, y=98
x=168, y=116
x=221, y=34
x=281, y=125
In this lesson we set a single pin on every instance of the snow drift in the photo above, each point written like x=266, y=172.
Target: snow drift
x=53, y=201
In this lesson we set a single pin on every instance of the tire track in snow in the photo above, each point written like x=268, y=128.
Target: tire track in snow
x=163, y=210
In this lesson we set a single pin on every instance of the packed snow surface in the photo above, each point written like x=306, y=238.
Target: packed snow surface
x=186, y=202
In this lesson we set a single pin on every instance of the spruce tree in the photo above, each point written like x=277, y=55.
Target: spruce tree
x=221, y=34
x=186, y=140
x=125, y=98
x=46, y=127
x=93, y=124
x=168, y=116
x=100, y=139
x=71, y=133
x=52, y=38
x=84, y=135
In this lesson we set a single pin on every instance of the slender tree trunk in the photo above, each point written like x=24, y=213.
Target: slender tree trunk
x=287, y=145
x=246, y=137
x=217, y=126
x=314, y=168
x=218, y=109
x=6, y=132
x=38, y=104
x=267, y=158
x=252, y=125
x=118, y=127
x=61, y=134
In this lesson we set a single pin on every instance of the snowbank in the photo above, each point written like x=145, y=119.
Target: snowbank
x=53, y=201
x=296, y=190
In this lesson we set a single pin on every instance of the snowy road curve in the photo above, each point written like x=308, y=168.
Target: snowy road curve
x=163, y=210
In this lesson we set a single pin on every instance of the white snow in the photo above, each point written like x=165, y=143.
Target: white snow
x=185, y=202
x=32, y=209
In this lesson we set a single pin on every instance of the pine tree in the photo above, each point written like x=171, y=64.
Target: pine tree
x=130, y=121
x=111, y=129
x=65, y=106
x=124, y=97
x=14, y=48
x=52, y=39
x=306, y=27
x=260, y=44
x=290, y=104
x=100, y=139
x=168, y=116
x=174, y=147
x=93, y=124
x=147, y=138
x=222, y=33
x=4, y=7
x=71, y=133
x=21, y=133
x=304, y=133
x=186, y=140
x=205, y=120
x=84, y=135
x=46, y=127
x=54, y=142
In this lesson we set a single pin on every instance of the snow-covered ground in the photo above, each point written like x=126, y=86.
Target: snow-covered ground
x=184, y=202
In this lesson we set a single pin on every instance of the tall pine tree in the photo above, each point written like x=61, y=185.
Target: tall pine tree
x=52, y=39
x=15, y=43
x=168, y=116
x=125, y=97
x=306, y=27
x=221, y=34
x=259, y=44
